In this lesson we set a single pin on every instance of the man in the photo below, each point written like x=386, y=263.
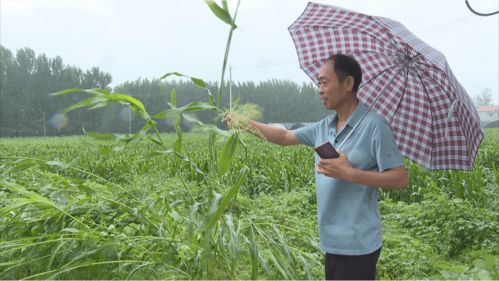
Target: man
x=349, y=222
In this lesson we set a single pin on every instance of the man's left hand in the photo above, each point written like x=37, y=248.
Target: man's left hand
x=339, y=168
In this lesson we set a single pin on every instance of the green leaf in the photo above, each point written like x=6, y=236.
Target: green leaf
x=278, y=263
x=65, y=92
x=177, y=146
x=99, y=105
x=284, y=248
x=137, y=105
x=266, y=267
x=228, y=197
x=137, y=137
x=199, y=82
x=227, y=153
x=153, y=154
x=197, y=106
x=97, y=92
x=210, y=128
x=193, y=165
x=84, y=103
x=306, y=266
x=163, y=114
x=221, y=13
x=253, y=250
x=212, y=100
x=191, y=118
x=154, y=139
x=173, y=97
x=178, y=74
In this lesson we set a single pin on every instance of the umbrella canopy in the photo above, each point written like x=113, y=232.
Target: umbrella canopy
x=434, y=121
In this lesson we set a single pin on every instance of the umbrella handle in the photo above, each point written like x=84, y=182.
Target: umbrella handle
x=480, y=14
x=355, y=127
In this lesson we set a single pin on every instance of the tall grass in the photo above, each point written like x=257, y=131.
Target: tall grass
x=67, y=212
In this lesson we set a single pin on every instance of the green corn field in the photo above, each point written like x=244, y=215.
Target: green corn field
x=74, y=210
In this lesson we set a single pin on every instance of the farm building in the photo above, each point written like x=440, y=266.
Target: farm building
x=489, y=116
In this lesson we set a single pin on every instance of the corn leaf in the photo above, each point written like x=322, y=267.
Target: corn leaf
x=199, y=83
x=136, y=104
x=228, y=197
x=253, y=250
x=197, y=106
x=227, y=153
x=84, y=103
x=221, y=13
x=173, y=98
x=178, y=74
x=65, y=92
x=163, y=114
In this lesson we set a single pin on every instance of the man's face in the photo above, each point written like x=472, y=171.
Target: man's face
x=332, y=92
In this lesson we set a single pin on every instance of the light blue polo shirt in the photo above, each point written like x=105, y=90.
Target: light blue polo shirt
x=348, y=214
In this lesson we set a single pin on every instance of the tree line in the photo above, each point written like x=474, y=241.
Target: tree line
x=26, y=108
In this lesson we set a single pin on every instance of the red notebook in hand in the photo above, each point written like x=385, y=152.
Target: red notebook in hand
x=326, y=151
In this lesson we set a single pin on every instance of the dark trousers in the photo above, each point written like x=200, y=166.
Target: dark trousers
x=340, y=267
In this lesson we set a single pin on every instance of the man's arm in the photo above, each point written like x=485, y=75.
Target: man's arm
x=276, y=135
x=395, y=178
x=340, y=168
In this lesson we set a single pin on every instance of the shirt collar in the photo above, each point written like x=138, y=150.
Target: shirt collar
x=353, y=118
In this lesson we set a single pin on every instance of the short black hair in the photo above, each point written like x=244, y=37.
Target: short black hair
x=344, y=66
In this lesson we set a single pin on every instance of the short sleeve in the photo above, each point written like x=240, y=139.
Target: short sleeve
x=308, y=135
x=384, y=149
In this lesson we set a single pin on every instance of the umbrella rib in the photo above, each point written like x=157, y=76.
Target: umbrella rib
x=403, y=93
x=376, y=76
x=367, y=111
x=431, y=66
x=388, y=33
x=429, y=101
x=468, y=145
x=436, y=82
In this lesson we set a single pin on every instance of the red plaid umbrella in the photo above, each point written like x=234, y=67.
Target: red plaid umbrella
x=408, y=82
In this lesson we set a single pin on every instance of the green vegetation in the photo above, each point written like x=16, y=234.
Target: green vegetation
x=149, y=205
x=70, y=210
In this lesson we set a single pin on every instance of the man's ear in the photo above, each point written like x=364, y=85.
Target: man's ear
x=349, y=81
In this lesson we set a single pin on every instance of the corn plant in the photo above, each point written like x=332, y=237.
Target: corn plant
x=101, y=98
x=74, y=228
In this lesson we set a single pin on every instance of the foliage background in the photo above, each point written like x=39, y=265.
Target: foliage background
x=26, y=108
x=431, y=230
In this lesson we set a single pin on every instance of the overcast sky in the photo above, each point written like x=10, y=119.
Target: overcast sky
x=147, y=38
